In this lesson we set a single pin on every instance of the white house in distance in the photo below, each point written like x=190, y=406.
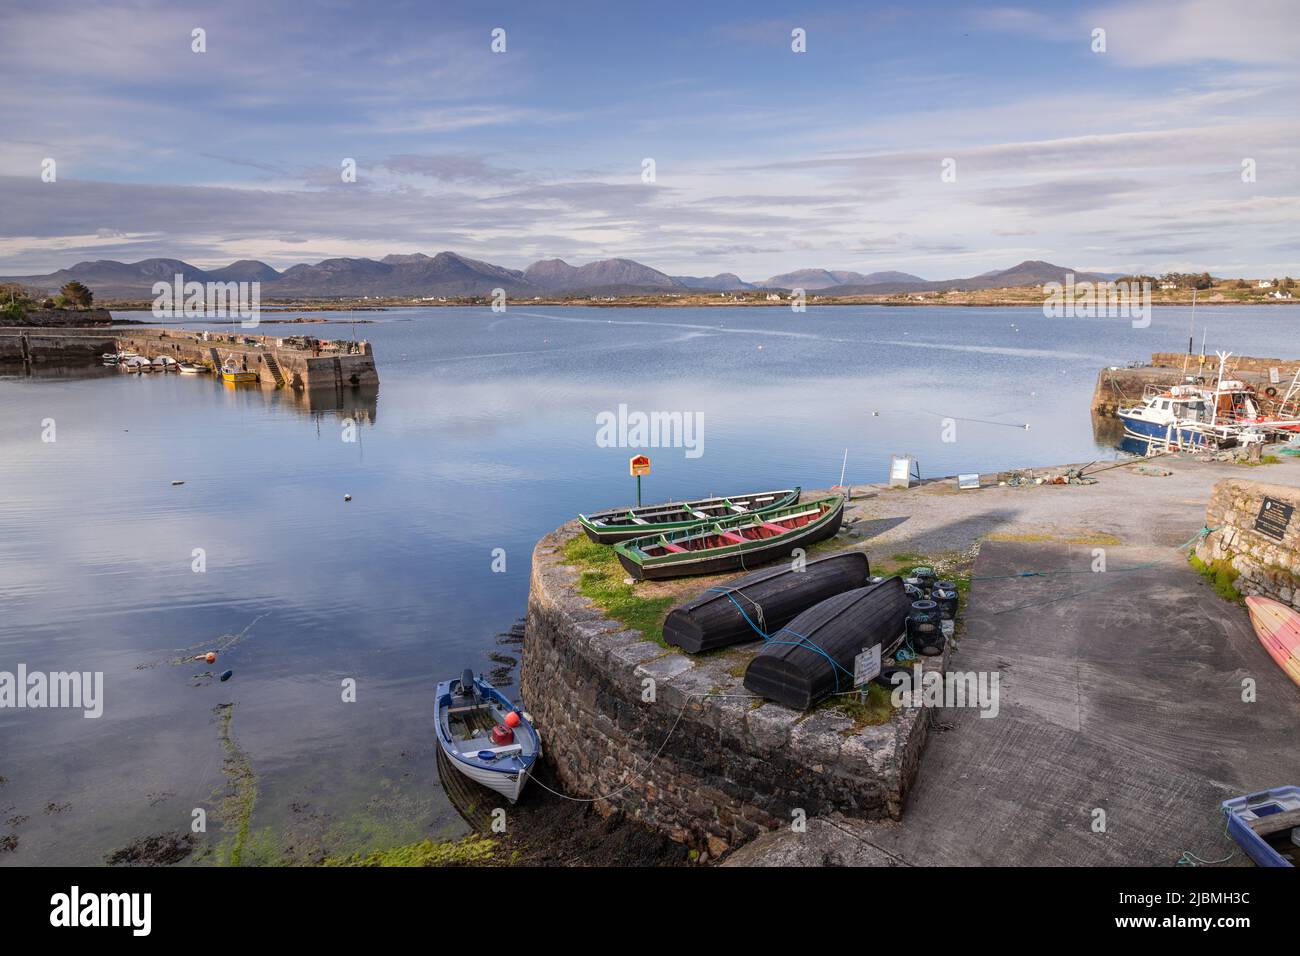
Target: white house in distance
x=1265, y=284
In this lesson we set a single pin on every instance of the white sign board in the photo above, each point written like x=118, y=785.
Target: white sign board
x=866, y=666
x=968, y=481
x=900, y=472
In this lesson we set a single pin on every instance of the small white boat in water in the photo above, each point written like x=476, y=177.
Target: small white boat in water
x=191, y=368
x=165, y=363
x=484, y=736
x=136, y=363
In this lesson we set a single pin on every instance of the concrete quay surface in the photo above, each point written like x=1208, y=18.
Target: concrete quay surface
x=1121, y=692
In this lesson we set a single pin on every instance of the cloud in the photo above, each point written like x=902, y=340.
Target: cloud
x=452, y=167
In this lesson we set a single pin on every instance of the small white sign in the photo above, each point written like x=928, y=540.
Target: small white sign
x=968, y=481
x=866, y=666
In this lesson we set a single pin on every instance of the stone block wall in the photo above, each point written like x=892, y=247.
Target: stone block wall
x=1266, y=565
x=704, y=762
x=1237, y=363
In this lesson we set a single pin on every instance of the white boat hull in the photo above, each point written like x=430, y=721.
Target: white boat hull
x=509, y=785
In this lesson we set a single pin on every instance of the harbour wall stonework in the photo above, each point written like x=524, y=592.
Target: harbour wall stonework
x=1266, y=564
x=703, y=761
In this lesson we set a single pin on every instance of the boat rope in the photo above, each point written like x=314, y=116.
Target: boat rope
x=761, y=627
x=803, y=641
x=1191, y=859
x=652, y=759
x=1125, y=461
x=811, y=645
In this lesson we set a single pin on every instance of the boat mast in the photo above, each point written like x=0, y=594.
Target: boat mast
x=1218, y=387
x=1191, y=336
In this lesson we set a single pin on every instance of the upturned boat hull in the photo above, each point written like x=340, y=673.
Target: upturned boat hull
x=812, y=657
x=761, y=603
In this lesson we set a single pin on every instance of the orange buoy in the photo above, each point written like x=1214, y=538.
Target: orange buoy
x=210, y=657
x=512, y=719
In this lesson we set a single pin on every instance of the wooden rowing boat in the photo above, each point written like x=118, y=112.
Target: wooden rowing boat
x=761, y=603
x=732, y=544
x=622, y=524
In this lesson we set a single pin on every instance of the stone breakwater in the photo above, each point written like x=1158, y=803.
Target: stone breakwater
x=1265, y=564
x=701, y=760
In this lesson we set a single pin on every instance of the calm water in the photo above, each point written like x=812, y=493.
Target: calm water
x=482, y=436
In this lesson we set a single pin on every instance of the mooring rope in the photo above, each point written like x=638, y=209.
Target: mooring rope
x=771, y=638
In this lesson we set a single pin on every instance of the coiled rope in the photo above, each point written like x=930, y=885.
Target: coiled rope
x=803, y=641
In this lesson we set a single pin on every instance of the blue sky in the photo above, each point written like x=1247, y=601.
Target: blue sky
x=766, y=160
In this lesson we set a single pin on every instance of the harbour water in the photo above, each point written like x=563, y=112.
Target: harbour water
x=481, y=438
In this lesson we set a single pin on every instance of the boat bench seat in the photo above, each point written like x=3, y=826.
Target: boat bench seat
x=732, y=536
x=676, y=549
x=812, y=513
x=778, y=528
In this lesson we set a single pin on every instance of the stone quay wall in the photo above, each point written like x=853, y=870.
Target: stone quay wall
x=1122, y=387
x=703, y=761
x=34, y=345
x=1266, y=565
x=302, y=368
x=1236, y=363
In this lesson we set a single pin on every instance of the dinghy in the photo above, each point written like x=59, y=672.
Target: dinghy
x=762, y=602
x=621, y=524
x=731, y=544
x=1278, y=629
x=812, y=656
x=234, y=374
x=192, y=368
x=484, y=736
x=1266, y=825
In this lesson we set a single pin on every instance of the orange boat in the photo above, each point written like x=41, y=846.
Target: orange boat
x=1278, y=627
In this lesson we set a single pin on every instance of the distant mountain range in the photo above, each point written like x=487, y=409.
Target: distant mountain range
x=452, y=275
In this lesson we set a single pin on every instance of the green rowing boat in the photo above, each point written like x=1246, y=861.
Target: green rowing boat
x=738, y=543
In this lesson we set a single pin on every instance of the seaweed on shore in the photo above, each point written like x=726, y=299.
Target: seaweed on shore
x=164, y=849
x=236, y=805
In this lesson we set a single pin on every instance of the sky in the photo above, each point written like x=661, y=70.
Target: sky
x=1127, y=159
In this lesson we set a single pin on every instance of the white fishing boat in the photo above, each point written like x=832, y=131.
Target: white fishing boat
x=193, y=368
x=165, y=363
x=484, y=736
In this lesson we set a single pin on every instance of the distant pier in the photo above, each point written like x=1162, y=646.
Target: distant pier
x=295, y=361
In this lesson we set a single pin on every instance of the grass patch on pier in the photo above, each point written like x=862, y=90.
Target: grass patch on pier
x=1263, y=460
x=602, y=579
x=878, y=709
x=1221, y=574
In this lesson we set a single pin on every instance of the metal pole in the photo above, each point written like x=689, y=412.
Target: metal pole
x=638, y=491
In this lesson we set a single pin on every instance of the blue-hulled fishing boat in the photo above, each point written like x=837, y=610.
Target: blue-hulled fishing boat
x=484, y=736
